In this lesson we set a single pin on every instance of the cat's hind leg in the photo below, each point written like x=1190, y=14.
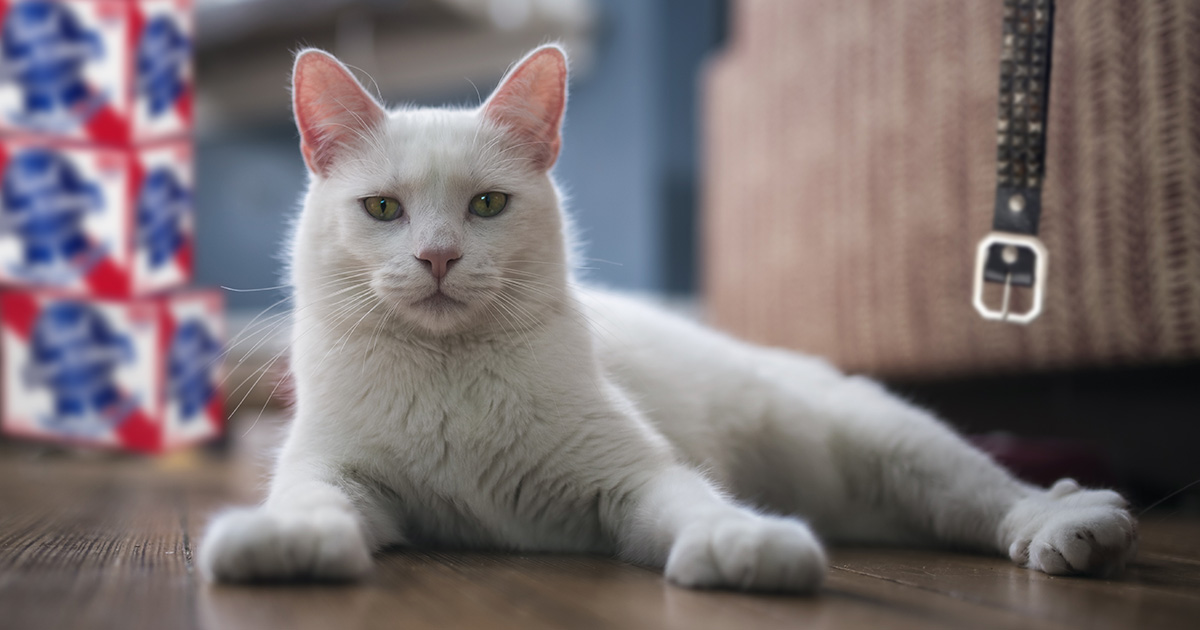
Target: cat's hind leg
x=902, y=464
x=1068, y=529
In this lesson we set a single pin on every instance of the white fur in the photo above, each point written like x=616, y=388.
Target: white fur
x=537, y=415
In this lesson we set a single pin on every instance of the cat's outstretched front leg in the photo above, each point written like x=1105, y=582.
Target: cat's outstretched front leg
x=679, y=522
x=308, y=528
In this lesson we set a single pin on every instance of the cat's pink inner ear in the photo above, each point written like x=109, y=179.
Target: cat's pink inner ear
x=333, y=111
x=530, y=103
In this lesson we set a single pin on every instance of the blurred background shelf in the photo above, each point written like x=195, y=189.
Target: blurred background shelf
x=406, y=47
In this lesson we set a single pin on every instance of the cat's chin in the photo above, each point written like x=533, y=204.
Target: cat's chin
x=439, y=313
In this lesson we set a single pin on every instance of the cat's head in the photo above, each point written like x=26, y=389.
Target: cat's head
x=446, y=217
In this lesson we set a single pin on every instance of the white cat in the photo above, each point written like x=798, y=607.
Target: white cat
x=456, y=388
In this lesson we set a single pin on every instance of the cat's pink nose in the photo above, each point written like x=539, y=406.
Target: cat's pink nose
x=439, y=259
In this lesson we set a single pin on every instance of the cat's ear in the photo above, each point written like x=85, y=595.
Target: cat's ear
x=530, y=102
x=333, y=111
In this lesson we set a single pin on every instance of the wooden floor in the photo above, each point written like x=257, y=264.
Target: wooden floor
x=106, y=542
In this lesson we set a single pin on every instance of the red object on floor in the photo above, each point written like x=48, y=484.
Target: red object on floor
x=1045, y=460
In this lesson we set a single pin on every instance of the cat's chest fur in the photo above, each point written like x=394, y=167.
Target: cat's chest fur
x=467, y=442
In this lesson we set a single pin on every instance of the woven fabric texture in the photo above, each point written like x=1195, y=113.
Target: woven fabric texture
x=849, y=174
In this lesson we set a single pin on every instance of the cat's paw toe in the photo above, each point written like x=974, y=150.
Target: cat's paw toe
x=748, y=553
x=257, y=544
x=1068, y=530
x=1093, y=541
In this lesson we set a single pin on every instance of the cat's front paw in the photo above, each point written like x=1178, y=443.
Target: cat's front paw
x=748, y=552
x=1069, y=530
x=257, y=544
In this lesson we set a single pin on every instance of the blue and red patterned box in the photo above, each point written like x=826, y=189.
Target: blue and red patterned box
x=103, y=221
x=109, y=72
x=97, y=344
x=138, y=374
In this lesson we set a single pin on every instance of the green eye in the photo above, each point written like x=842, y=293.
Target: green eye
x=382, y=208
x=488, y=204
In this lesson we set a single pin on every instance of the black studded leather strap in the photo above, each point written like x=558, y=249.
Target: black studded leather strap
x=1021, y=136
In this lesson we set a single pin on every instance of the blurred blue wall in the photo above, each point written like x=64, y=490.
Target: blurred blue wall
x=628, y=161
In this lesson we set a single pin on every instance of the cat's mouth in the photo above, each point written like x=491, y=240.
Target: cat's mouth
x=438, y=301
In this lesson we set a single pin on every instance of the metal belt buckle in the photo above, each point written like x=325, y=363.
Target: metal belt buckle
x=1012, y=244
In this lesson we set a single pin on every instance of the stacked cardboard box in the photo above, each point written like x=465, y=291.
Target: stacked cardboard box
x=99, y=342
